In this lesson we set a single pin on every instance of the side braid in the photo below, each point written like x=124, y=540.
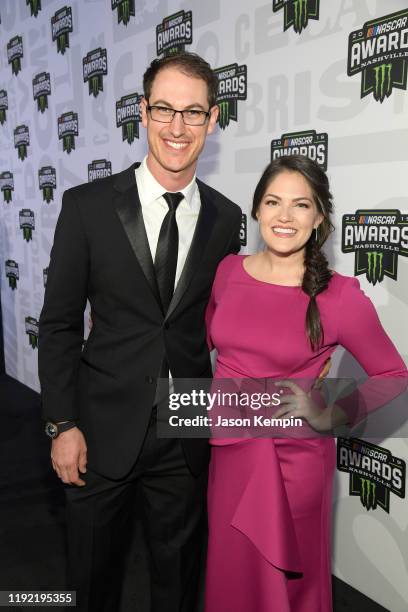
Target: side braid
x=315, y=280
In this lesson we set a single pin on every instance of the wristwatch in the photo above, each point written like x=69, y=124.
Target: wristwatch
x=53, y=430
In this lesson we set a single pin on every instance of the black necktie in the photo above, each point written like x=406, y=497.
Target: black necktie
x=165, y=261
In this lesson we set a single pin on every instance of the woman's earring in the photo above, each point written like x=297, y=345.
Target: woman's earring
x=316, y=235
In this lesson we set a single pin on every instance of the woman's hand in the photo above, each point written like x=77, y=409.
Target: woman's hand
x=303, y=405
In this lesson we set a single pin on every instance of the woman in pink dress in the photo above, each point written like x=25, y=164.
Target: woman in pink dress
x=280, y=314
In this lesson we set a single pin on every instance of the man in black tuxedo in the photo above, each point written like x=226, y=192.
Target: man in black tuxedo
x=143, y=246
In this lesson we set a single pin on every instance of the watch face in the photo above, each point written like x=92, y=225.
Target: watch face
x=51, y=430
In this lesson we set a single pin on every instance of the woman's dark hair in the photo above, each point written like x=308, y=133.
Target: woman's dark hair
x=317, y=275
x=189, y=64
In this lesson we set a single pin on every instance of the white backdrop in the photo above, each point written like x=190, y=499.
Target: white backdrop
x=287, y=82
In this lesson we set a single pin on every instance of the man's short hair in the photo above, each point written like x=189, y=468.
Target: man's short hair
x=189, y=64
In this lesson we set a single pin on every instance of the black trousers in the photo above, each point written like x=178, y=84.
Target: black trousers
x=169, y=501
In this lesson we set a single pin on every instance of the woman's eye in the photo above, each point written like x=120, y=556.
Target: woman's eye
x=303, y=205
x=271, y=202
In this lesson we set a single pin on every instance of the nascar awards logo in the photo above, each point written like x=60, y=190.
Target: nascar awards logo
x=3, y=105
x=7, y=185
x=308, y=143
x=128, y=116
x=45, y=276
x=95, y=67
x=297, y=12
x=21, y=140
x=15, y=53
x=232, y=86
x=126, y=8
x=47, y=179
x=243, y=230
x=35, y=6
x=27, y=223
x=379, y=50
x=12, y=273
x=99, y=168
x=174, y=33
x=67, y=130
x=61, y=28
x=31, y=327
x=42, y=89
x=374, y=472
x=376, y=237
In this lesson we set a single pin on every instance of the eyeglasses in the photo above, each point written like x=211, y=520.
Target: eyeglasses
x=163, y=114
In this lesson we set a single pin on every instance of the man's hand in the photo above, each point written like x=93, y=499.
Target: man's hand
x=68, y=456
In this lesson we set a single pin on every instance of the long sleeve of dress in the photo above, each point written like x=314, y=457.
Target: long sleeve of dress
x=361, y=333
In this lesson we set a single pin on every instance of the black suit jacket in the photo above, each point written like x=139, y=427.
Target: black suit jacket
x=101, y=252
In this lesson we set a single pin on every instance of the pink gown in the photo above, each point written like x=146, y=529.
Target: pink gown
x=270, y=500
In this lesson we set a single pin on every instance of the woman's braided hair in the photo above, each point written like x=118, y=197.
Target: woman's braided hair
x=317, y=275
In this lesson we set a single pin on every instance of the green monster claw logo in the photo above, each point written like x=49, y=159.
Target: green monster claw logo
x=33, y=341
x=130, y=132
x=42, y=103
x=368, y=494
x=47, y=194
x=22, y=151
x=126, y=8
x=301, y=17
x=16, y=66
x=12, y=282
x=35, y=6
x=375, y=271
x=7, y=195
x=62, y=43
x=27, y=233
x=2, y=115
x=297, y=13
x=95, y=85
x=68, y=143
x=383, y=82
x=223, y=118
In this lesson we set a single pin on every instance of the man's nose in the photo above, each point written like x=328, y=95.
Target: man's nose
x=177, y=127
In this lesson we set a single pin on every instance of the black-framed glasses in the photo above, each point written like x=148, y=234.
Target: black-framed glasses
x=191, y=116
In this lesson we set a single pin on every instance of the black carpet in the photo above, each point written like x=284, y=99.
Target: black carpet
x=32, y=545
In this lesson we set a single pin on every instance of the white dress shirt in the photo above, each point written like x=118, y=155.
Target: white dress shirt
x=155, y=208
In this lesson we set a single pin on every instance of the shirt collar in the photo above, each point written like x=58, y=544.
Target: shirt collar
x=151, y=189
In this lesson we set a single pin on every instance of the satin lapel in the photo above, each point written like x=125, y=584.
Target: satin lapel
x=129, y=210
x=205, y=223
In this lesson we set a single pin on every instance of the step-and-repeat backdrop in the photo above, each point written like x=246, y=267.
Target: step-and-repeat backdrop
x=324, y=78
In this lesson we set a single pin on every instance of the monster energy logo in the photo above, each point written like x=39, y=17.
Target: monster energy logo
x=374, y=472
x=7, y=185
x=368, y=489
x=377, y=237
x=297, y=12
x=223, y=118
x=383, y=82
x=232, y=86
x=15, y=53
x=67, y=130
x=12, y=273
x=35, y=6
x=61, y=27
x=21, y=140
x=95, y=66
x=47, y=182
x=3, y=105
x=31, y=326
x=126, y=8
x=27, y=223
x=128, y=116
x=379, y=50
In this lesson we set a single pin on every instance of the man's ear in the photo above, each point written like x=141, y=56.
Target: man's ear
x=143, y=111
x=213, y=118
